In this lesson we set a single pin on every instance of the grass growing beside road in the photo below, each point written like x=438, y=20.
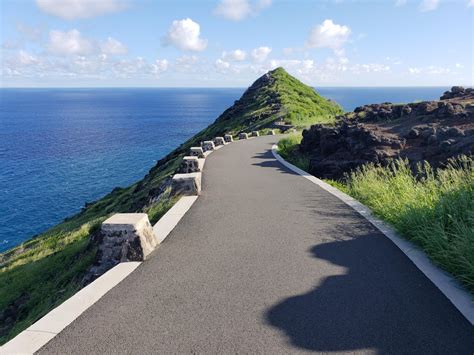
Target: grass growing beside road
x=434, y=208
x=288, y=149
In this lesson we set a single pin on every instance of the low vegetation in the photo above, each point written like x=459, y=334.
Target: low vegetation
x=288, y=149
x=432, y=208
x=278, y=96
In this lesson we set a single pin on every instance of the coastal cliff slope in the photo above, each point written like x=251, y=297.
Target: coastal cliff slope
x=41, y=273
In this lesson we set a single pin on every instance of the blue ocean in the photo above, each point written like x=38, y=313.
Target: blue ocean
x=60, y=148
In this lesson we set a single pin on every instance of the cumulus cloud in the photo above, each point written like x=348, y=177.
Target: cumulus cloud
x=329, y=35
x=237, y=10
x=429, y=5
x=79, y=9
x=159, y=66
x=236, y=55
x=221, y=65
x=260, y=54
x=113, y=47
x=185, y=35
x=67, y=43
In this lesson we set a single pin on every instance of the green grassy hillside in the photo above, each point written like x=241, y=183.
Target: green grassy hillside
x=44, y=271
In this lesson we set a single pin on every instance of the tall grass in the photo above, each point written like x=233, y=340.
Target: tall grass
x=288, y=149
x=432, y=208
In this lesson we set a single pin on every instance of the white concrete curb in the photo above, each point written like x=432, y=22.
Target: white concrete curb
x=40, y=333
x=450, y=287
x=171, y=218
x=45, y=329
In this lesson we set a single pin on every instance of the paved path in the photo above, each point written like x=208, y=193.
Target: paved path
x=267, y=262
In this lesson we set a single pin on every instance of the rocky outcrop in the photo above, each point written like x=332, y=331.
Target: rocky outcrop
x=457, y=92
x=434, y=131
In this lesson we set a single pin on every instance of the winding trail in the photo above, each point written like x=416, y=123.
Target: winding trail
x=267, y=262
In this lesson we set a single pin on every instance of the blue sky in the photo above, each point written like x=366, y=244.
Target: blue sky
x=229, y=43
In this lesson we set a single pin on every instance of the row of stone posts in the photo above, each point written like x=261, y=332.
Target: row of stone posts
x=129, y=236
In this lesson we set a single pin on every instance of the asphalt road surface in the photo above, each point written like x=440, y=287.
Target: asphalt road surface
x=267, y=262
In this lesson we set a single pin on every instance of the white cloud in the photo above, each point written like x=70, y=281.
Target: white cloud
x=414, y=71
x=113, y=47
x=260, y=54
x=369, y=68
x=237, y=10
x=79, y=9
x=470, y=3
x=429, y=5
x=237, y=55
x=185, y=35
x=67, y=43
x=25, y=59
x=222, y=65
x=159, y=66
x=234, y=10
x=329, y=35
x=432, y=69
x=400, y=2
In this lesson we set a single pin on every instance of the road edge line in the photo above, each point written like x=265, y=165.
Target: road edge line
x=46, y=328
x=450, y=287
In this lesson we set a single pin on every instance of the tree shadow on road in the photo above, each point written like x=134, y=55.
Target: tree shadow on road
x=381, y=306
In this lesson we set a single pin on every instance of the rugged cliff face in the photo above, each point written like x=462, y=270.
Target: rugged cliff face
x=433, y=131
x=41, y=273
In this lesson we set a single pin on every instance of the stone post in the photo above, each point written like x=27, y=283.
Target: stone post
x=196, y=152
x=191, y=164
x=186, y=184
x=126, y=237
x=219, y=141
x=208, y=146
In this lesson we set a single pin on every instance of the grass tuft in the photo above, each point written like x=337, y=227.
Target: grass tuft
x=288, y=148
x=432, y=208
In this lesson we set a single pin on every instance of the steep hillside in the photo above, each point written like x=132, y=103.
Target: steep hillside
x=44, y=271
x=277, y=96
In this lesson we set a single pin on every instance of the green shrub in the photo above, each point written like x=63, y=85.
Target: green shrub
x=288, y=149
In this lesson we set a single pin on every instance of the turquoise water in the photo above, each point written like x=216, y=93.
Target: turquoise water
x=60, y=148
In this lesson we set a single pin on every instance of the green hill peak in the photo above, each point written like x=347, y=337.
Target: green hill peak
x=278, y=96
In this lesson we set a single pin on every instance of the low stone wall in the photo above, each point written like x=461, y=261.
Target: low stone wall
x=191, y=164
x=218, y=141
x=186, y=184
x=255, y=134
x=228, y=138
x=243, y=136
x=196, y=152
x=208, y=146
x=123, y=237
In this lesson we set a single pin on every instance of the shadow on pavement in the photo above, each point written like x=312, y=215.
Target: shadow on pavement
x=271, y=162
x=361, y=310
